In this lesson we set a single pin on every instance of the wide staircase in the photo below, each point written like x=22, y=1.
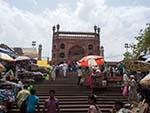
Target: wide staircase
x=74, y=99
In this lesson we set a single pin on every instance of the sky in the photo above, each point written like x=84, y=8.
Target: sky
x=24, y=21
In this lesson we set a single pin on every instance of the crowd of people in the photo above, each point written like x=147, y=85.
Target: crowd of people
x=138, y=95
x=105, y=70
x=27, y=101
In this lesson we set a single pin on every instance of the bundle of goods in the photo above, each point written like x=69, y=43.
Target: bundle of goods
x=137, y=65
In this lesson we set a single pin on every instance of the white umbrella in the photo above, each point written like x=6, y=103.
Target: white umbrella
x=21, y=58
x=146, y=80
x=6, y=57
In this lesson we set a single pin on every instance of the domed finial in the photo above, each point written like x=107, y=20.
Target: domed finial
x=40, y=46
x=95, y=28
x=98, y=29
x=58, y=26
x=53, y=29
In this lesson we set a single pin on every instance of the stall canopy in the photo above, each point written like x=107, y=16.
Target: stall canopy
x=22, y=58
x=43, y=63
x=1, y=67
x=4, y=56
x=6, y=51
x=144, y=57
x=146, y=80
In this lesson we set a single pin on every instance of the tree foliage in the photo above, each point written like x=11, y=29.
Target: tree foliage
x=127, y=56
x=142, y=45
x=143, y=42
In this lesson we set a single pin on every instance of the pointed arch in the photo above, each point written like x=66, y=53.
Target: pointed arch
x=76, y=52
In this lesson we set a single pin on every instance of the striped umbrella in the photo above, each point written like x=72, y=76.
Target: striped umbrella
x=91, y=60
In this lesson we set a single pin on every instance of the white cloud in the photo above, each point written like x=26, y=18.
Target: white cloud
x=118, y=25
x=35, y=2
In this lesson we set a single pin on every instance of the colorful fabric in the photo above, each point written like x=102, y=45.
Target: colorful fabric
x=7, y=95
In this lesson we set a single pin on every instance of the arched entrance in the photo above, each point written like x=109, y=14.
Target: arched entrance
x=75, y=53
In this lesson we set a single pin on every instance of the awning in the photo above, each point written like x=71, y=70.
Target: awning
x=43, y=63
x=6, y=57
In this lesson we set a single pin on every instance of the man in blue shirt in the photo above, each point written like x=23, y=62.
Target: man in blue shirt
x=32, y=101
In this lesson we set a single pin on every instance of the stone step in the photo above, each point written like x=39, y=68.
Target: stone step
x=84, y=97
x=78, y=101
x=102, y=95
x=85, y=100
x=70, y=110
x=78, y=106
x=74, y=99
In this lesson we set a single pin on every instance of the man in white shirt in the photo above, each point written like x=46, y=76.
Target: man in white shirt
x=64, y=68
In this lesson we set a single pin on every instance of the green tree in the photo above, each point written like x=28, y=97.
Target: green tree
x=127, y=56
x=142, y=45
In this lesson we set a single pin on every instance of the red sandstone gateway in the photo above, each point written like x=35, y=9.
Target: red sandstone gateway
x=73, y=45
x=91, y=60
